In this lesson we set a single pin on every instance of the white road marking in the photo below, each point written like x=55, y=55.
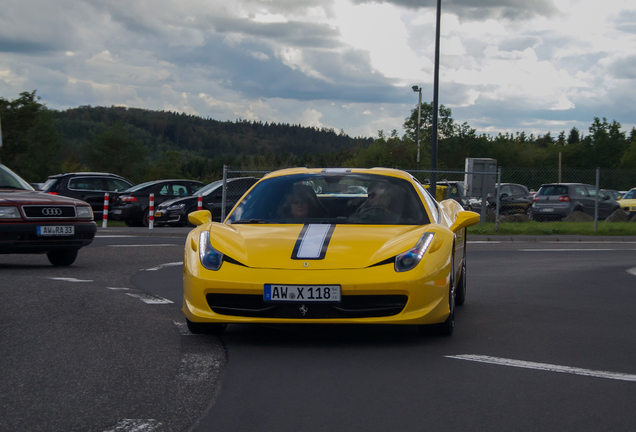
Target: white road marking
x=545, y=367
x=146, y=245
x=582, y=242
x=69, y=279
x=135, y=425
x=113, y=236
x=150, y=299
x=116, y=288
x=486, y=242
x=570, y=250
x=172, y=264
x=632, y=271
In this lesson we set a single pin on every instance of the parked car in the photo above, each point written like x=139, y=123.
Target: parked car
x=613, y=194
x=132, y=205
x=557, y=200
x=513, y=198
x=35, y=223
x=176, y=211
x=628, y=203
x=289, y=256
x=86, y=186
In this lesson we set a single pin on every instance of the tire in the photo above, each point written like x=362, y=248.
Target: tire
x=62, y=258
x=460, y=291
x=144, y=218
x=206, y=328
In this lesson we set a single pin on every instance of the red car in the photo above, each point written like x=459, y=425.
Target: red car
x=36, y=223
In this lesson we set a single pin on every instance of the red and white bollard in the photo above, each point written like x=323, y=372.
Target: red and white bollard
x=105, y=213
x=200, y=203
x=151, y=212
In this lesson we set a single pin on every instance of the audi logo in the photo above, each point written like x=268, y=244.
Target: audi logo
x=52, y=211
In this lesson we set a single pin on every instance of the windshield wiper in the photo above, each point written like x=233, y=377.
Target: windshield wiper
x=251, y=221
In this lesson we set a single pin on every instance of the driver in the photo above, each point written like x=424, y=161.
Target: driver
x=378, y=195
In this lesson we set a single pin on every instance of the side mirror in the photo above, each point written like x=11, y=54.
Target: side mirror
x=503, y=195
x=200, y=217
x=465, y=219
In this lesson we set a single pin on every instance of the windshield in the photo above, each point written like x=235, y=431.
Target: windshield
x=332, y=197
x=140, y=187
x=630, y=195
x=553, y=190
x=205, y=190
x=10, y=180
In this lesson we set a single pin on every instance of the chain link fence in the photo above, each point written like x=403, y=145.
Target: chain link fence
x=509, y=193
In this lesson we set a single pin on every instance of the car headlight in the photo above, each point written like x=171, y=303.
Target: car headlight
x=84, y=212
x=411, y=258
x=176, y=207
x=9, y=213
x=210, y=258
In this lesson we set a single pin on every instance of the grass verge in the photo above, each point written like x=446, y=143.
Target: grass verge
x=555, y=228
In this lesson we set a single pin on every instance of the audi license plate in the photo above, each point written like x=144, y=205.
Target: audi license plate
x=547, y=210
x=67, y=230
x=302, y=293
x=157, y=214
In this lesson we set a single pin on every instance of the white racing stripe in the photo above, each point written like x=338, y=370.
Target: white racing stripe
x=70, y=279
x=545, y=367
x=313, y=240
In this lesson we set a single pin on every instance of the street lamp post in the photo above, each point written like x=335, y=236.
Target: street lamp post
x=419, y=119
x=435, y=104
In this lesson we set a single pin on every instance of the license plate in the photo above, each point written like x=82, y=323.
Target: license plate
x=157, y=214
x=547, y=210
x=116, y=211
x=56, y=230
x=302, y=293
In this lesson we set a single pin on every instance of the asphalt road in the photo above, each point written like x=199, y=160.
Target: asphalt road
x=545, y=341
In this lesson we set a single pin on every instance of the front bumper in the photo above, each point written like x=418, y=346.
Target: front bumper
x=22, y=238
x=374, y=295
x=170, y=217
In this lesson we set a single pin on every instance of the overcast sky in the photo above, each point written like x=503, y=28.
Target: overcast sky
x=506, y=65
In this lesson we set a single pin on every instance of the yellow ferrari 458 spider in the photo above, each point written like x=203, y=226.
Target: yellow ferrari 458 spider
x=365, y=246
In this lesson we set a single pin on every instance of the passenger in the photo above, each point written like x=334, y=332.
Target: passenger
x=303, y=203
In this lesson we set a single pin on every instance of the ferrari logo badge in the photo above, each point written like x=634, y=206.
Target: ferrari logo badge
x=303, y=310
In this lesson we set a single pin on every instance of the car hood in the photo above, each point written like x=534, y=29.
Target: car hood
x=627, y=202
x=22, y=197
x=347, y=246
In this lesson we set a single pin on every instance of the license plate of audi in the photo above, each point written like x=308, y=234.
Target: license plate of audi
x=302, y=293
x=56, y=230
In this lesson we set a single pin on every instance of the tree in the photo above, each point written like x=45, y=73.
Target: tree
x=30, y=142
x=445, y=123
x=574, y=137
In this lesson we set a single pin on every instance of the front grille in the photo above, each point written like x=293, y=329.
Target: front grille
x=351, y=306
x=48, y=211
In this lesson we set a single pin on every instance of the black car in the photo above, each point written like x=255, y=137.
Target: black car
x=35, y=223
x=513, y=198
x=175, y=211
x=132, y=205
x=86, y=186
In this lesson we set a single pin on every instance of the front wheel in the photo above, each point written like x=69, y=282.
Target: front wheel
x=62, y=258
x=146, y=218
x=460, y=291
x=206, y=328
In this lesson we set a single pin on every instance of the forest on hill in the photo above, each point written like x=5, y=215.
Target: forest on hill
x=144, y=145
